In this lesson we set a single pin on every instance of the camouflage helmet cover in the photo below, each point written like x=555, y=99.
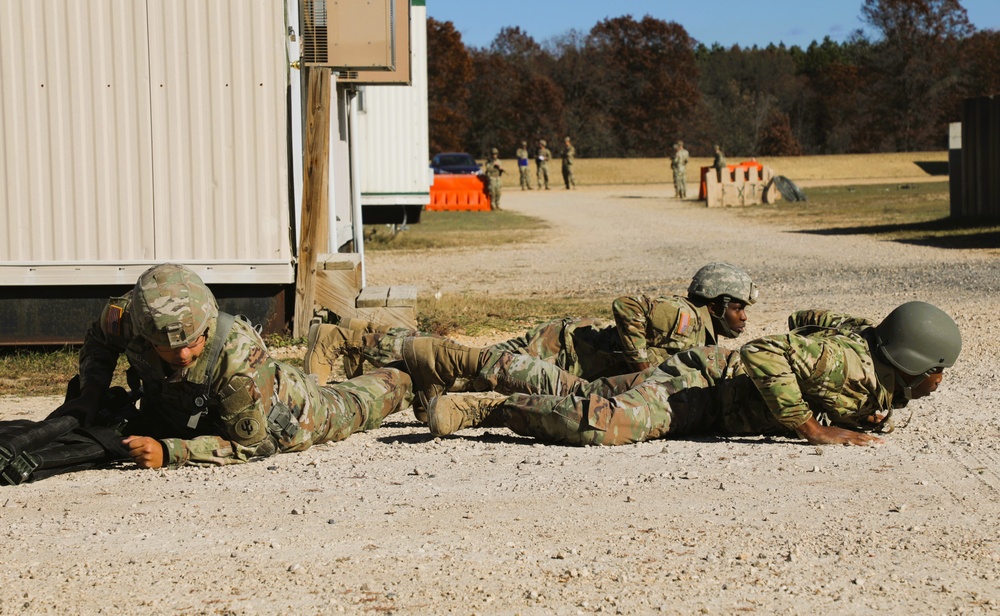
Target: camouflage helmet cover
x=722, y=279
x=494, y=151
x=171, y=306
x=917, y=337
x=541, y=142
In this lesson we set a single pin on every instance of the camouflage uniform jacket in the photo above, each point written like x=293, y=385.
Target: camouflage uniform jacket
x=824, y=369
x=255, y=406
x=492, y=168
x=680, y=160
x=568, y=156
x=542, y=157
x=653, y=329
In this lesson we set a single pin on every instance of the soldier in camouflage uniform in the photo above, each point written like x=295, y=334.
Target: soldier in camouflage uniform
x=646, y=331
x=522, y=166
x=719, y=162
x=542, y=156
x=679, y=165
x=493, y=171
x=211, y=392
x=568, y=156
x=831, y=377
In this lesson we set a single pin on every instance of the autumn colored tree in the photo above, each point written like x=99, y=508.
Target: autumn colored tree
x=648, y=83
x=511, y=99
x=832, y=83
x=912, y=88
x=980, y=62
x=449, y=73
x=744, y=91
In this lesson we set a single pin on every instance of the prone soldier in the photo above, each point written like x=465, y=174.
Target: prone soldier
x=830, y=380
x=211, y=393
x=646, y=330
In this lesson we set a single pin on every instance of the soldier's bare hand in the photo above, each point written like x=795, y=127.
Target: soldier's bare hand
x=816, y=434
x=146, y=452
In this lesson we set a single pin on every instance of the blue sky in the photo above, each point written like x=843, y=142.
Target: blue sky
x=728, y=22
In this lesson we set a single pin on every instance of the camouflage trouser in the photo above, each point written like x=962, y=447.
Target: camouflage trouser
x=700, y=391
x=567, y=171
x=359, y=404
x=589, y=348
x=525, y=177
x=329, y=414
x=495, y=189
x=680, y=182
x=542, y=174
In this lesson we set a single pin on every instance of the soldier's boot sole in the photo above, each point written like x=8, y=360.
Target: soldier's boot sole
x=449, y=414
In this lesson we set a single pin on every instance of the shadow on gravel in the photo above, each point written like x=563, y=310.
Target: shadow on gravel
x=941, y=233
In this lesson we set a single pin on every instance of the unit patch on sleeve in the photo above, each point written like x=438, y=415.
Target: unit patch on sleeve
x=683, y=323
x=113, y=323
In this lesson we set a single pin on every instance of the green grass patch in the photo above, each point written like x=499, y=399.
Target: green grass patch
x=456, y=230
x=478, y=315
x=915, y=213
x=43, y=371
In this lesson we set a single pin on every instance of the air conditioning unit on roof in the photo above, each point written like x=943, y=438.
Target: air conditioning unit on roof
x=349, y=35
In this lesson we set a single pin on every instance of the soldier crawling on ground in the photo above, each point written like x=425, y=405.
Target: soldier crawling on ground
x=211, y=393
x=646, y=330
x=830, y=380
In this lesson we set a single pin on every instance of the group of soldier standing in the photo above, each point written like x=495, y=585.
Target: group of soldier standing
x=493, y=168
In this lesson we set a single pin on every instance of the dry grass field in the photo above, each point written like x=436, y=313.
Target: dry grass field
x=804, y=170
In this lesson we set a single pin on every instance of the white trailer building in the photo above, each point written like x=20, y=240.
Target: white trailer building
x=135, y=132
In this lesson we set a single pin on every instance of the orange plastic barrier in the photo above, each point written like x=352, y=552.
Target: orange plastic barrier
x=458, y=193
x=744, y=167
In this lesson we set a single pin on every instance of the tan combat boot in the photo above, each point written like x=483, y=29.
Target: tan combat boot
x=449, y=414
x=435, y=363
x=326, y=344
x=363, y=326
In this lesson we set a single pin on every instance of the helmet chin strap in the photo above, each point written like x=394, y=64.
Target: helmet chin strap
x=908, y=386
x=720, y=320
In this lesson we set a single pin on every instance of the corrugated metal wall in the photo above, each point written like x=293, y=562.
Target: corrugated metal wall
x=393, y=139
x=143, y=131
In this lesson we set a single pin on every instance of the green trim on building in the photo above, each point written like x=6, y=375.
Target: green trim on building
x=418, y=2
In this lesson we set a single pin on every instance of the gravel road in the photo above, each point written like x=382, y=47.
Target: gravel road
x=396, y=522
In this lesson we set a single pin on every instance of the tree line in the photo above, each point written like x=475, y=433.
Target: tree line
x=630, y=88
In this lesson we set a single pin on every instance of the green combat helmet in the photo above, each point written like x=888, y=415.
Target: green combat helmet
x=171, y=306
x=722, y=280
x=918, y=339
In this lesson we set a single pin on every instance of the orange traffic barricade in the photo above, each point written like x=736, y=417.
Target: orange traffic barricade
x=458, y=193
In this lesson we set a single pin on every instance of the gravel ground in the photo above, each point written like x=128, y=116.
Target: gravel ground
x=393, y=521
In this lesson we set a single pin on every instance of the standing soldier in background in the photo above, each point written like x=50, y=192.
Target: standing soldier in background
x=568, y=155
x=493, y=173
x=679, y=164
x=542, y=157
x=522, y=166
x=719, y=162
x=211, y=393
